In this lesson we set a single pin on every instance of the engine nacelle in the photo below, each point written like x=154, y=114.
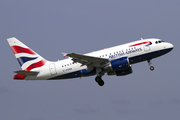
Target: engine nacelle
x=118, y=64
x=124, y=72
x=121, y=72
x=119, y=67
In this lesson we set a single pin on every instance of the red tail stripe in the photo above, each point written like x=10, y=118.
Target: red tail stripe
x=36, y=65
x=139, y=44
x=18, y=49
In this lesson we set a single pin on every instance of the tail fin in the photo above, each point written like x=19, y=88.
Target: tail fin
x=27, y=58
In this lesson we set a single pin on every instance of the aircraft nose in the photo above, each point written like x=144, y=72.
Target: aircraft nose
x=171, y=46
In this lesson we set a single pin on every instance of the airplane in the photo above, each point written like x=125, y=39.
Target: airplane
x=116, y=60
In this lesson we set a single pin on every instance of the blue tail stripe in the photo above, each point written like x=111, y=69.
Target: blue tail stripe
x=22, y=60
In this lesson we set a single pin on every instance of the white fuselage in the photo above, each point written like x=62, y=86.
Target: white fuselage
x=137, y=51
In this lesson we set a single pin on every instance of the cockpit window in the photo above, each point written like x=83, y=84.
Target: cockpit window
x=160, y=41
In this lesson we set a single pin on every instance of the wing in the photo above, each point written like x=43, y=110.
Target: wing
x=90, y=61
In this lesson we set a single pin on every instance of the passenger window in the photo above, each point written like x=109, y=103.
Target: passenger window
x=156, y=42
x=102, y=55
x=159, y=41
x=62, y=66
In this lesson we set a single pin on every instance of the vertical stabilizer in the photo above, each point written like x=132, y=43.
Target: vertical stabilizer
x=27, y=58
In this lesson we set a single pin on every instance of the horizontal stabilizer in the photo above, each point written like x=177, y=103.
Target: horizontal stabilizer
x=26, y=72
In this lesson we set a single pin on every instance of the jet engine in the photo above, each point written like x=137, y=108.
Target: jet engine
x=119, y=67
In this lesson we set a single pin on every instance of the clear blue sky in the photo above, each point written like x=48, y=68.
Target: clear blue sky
x=81, y=26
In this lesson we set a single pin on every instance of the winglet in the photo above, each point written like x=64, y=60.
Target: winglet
x=64, y=54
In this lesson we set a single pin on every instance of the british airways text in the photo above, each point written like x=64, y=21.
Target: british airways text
x=125, y=52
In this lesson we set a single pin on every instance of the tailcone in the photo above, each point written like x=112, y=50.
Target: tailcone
x=19, y=77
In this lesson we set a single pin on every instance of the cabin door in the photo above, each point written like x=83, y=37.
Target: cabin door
x=147, y=45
